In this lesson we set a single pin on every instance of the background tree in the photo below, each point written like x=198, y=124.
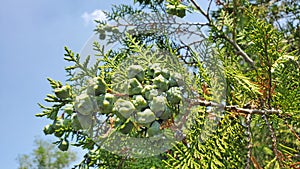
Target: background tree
x=46, y=156
x=255, y=44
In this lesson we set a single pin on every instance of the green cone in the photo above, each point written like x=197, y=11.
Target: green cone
x=161, y=83
x=124, y=108
x=174, y=95
x=144, y=117
x=136, y=71
x=157, y=105
x=84, y=104
x=134, y=87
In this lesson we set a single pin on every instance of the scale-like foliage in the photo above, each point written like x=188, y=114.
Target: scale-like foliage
x=243, y=65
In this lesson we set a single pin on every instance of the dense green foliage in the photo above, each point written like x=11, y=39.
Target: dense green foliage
x=245, y=54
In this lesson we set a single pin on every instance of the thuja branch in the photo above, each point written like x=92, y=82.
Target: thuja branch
x=240, y=51
x=234, y=108
x=70, y=56
x=210, y=23
x=248, y=113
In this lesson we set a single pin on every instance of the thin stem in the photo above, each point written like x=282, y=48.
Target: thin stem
x=231, y=41
x=269, y=64
x=195, y=102
x=240, y=51
x=209, y=5
x=201, y=10
x=274, y=139
x=248, y=124
x=292, y=130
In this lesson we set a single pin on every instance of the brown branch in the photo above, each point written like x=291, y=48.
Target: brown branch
x=233, y=108
x=292, y=130
x=255, y=163
x=295, y=165
x=240, y=51
x=274, y=139
x=248, y=124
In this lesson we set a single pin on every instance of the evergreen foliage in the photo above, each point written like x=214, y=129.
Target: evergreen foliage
x=242, y=79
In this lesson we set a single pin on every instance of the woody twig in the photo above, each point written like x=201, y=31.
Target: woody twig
x=195, y=102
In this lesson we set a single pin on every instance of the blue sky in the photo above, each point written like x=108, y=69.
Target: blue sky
x=33, y=34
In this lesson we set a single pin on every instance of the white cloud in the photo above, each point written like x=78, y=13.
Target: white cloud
x=95, y=15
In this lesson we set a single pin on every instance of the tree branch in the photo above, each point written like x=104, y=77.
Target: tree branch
x=240, y=51
x=208, y=8
x=292, y=130
x=201, y=10
x=234, y=108
x=248, y=122
x=232, y=42
x=274, y=139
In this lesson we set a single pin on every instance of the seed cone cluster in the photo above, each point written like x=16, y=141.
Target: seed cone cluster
x=151, y=98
